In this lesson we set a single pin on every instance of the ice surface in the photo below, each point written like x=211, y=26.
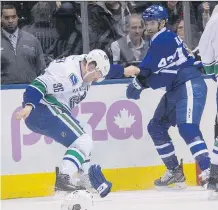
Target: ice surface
x=193, y=198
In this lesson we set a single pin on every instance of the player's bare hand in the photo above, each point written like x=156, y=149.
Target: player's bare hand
x=24, y=113
x=131, y=71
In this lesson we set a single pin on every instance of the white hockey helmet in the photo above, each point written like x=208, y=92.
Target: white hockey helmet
x=102, y=62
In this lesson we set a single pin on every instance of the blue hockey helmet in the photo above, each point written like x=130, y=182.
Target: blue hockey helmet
x=155, y=12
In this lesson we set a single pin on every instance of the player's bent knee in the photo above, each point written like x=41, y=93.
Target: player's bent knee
x=152, y=127
x=84, y=143
x=158, y=132
x=189, y=131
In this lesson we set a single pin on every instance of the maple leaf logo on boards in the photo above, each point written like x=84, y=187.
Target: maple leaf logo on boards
x=124, y=119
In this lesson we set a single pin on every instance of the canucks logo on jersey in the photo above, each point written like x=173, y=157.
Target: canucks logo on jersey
x=73, y=79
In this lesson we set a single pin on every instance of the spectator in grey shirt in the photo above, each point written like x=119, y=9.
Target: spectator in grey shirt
x=21, y=53
x=131, y=47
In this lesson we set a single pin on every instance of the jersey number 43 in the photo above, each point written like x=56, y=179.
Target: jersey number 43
x=176, y=59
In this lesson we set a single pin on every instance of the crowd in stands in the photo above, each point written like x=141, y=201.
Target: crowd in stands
x=35, y=33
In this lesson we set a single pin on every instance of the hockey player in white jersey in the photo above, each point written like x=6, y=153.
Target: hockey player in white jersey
x=169, y=65
x=208, y=48
x=47, y=106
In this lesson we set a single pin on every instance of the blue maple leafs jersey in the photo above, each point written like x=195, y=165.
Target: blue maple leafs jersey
x=167, y=61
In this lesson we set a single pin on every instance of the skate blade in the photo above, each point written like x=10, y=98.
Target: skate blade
x=174, y=186
x=212, y=195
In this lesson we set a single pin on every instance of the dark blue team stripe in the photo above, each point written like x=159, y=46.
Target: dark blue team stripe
x=32, y=96
x=198, y=147
x=72, y=160
x=216, y=152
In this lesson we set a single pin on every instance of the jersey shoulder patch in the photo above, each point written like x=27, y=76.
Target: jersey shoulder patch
x=74, y=79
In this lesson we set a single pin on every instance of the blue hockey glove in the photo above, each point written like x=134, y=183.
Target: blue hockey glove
x=98, y=181
x=134, y=89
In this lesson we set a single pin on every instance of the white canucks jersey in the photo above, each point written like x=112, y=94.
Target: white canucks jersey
x=61, y=85
x=208, y=45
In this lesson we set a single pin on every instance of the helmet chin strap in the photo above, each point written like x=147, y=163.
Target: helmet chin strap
x=159, y=22
x=87, y=74
x=90, y=72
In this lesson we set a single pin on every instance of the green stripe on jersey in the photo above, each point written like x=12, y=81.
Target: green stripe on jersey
x=209, y=69
x=73, y=124
x=67, y=120
x=216, y=69
x=75, y=154
x=216, y=143
x=39, y=85
x=53, y=101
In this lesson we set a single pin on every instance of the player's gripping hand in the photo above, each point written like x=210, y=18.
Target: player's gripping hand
x=98, y=181
x=24, y=113
x=134, y=89
x=131, y=71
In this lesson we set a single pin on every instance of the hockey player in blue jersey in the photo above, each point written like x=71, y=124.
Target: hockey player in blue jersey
x=169, y=65
x=48, y=102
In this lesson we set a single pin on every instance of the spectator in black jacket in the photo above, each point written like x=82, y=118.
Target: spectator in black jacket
x=175, y=13
x=42, y=27
x=69, y=41
x=106, y=22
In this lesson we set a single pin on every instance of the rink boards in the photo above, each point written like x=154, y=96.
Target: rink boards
x=122, y=145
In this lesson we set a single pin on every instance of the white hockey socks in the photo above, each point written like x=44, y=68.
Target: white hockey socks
x=76, y=155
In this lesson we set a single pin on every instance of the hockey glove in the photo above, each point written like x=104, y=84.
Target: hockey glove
x=98, y=181
x=134, y=89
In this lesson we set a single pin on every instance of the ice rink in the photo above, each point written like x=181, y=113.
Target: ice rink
x=194, y=198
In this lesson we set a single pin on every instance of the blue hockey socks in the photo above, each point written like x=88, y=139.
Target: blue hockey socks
x=194, y=139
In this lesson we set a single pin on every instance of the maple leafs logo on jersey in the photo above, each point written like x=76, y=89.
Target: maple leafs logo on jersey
x=124, y=119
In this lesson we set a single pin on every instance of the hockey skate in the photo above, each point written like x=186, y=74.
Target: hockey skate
x=213, y=179
x=213, y=183
x=172, y=179
x=63, y=183
x=204, y=178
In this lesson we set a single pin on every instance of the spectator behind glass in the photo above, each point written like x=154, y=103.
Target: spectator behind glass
x=204, y=12
x=130, y=48
x=42, y=27
x=195, y=35
x=140, y=6
x=21, y=54
x=69, y=41
x=175, y=12
x=193, y=49
x=106, y=22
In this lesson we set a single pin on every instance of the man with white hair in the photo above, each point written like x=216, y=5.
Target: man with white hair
x=132, y=47
x=208, y=48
